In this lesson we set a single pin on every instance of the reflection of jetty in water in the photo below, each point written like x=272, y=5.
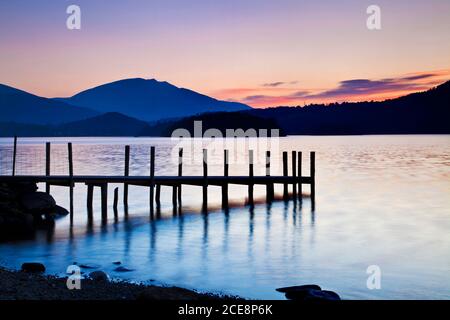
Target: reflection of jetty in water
x=291, y=210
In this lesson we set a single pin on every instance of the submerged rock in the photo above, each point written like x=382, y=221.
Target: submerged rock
x=308, y=293
x=122, y=269
x=33, y=267
x=89, y=266
x=299, y=288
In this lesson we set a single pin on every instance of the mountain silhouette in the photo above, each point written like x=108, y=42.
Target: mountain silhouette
x=149, y=100
x=23, y=107
x=418, y=113
x=111, y=124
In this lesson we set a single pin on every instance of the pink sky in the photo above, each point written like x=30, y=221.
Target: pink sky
x=260, y=52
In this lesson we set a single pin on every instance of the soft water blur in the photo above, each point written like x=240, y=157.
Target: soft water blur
x=380, y=200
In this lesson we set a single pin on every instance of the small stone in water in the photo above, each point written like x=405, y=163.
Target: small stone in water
x=122, y=269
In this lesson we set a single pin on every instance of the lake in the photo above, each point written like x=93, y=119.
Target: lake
x=380, y=200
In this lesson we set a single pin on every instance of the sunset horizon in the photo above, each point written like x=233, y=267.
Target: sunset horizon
x=277, y=94
x=290, y=53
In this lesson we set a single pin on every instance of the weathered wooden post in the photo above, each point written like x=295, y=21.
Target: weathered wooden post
x=285, y=173
x=152, y=178
x=71, y=184
x=250, y=174
x=299, y=172
x=205, y=179
x=180, y=173
x=269, y=187
x=14, y=156
x=127, y=173
x=47, y=166
x=294, y=175
x=225, y=184
x=313, y=178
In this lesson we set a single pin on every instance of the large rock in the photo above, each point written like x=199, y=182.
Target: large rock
x=22, y=210
x=99, y=276
x=57, y=212
x=33, y=267
x=19, y=188
x=15, y=224
x=38, y=203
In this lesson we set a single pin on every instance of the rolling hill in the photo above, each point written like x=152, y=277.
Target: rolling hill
x=23, y=107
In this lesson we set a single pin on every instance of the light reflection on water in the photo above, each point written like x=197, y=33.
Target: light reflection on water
x=380, y=200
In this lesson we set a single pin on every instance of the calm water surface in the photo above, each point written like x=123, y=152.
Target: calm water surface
x=381, y=200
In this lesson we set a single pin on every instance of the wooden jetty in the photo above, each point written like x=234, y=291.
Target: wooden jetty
x=296, y=179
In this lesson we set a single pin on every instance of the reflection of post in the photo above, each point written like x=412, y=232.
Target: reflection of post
x=116, y=200
x=299, y=173
x=152, y=178
x=158, y=196
x=14, y=156
x=127, y=172
x=47, y=165
x=205, y=181
x=294, y=175
x=225, y=184
x=285, y=173
x=313, y=178
x=69, y=150
x=250, y=174
x=269, y=186
x=90, y=196
x=104, y=195
x=177, y=187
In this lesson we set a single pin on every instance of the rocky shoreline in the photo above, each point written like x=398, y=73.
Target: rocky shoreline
x=22, y=285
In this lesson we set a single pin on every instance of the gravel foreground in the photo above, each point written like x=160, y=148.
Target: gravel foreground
x=18, y=285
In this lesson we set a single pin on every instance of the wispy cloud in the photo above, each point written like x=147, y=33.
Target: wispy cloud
x=279, y=83
x=347, y=90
